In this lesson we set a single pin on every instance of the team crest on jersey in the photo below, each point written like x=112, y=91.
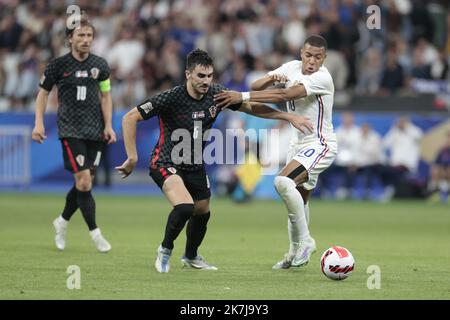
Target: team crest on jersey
x=172, y=170
x=80, y=159
x=81, y=74
x=94, y=73
x=147, y=107
x=213, y=111
x=198, y=114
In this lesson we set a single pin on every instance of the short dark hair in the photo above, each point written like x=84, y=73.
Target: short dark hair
x=316, y=40
x=83, y=22
x=198, y=57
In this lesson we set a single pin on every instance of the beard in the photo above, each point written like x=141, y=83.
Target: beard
x=201, y=87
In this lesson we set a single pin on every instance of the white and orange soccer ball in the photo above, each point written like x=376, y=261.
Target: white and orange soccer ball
x=337, y=263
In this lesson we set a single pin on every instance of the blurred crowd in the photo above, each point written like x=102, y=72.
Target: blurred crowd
x=368, y=166
x=145, y=42
x=392, y=161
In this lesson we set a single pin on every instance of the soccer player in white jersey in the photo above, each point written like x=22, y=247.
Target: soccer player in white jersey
x=308, y=92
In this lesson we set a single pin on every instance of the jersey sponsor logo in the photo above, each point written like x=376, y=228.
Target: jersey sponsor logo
x=81, y=74
x=213, y=111
x=198, y=114
x=172, y=170
x=146, y=107
x=80, y=160
x=94, y=73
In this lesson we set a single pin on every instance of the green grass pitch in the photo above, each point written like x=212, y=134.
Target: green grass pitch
x=409, y=241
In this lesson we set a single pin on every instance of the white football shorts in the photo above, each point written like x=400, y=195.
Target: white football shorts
x=315, y=157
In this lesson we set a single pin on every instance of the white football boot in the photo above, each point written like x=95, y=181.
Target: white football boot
x=197, y=263
x=305, y=250
x=60, y=226
x=162, y=259
x=285, y=263
x=100, y=242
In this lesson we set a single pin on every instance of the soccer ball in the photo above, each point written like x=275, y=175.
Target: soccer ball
x=337, y=263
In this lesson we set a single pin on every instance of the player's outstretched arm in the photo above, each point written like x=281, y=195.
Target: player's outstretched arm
x=38, y=133
x=106, y=102
x=264, y=82
x=225, y=99
x=301, y=123
x=129, y=124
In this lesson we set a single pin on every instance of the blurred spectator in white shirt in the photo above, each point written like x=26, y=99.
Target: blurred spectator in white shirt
x=346, y=163
x=215, y=41
x=294, y=32
x=371, y=157
x=403, y=145
x=338, y=68
x=370, y=72
x=126, y=54
x=370, y=149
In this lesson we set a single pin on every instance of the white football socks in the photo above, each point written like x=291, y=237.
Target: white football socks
x=94, y=233
x=307, y=213
x=297, y=225
x=62, y=222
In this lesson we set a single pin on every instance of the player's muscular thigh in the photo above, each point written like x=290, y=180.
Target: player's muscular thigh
x=295, y=171
x=175, y=190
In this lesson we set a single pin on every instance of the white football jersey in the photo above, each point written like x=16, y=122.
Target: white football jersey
x=317, y=105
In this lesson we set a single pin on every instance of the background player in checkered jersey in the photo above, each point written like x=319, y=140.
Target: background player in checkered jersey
x=183, y=179
x=84, y=123
x=309, y=92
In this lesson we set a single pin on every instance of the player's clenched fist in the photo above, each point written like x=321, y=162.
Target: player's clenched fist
x=38, y=134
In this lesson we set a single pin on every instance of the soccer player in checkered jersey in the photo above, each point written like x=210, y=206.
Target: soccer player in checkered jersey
x=309, y=92
x=183, y=180
x=84, y=123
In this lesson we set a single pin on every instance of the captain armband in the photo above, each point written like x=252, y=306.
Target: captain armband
x=105, y=85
